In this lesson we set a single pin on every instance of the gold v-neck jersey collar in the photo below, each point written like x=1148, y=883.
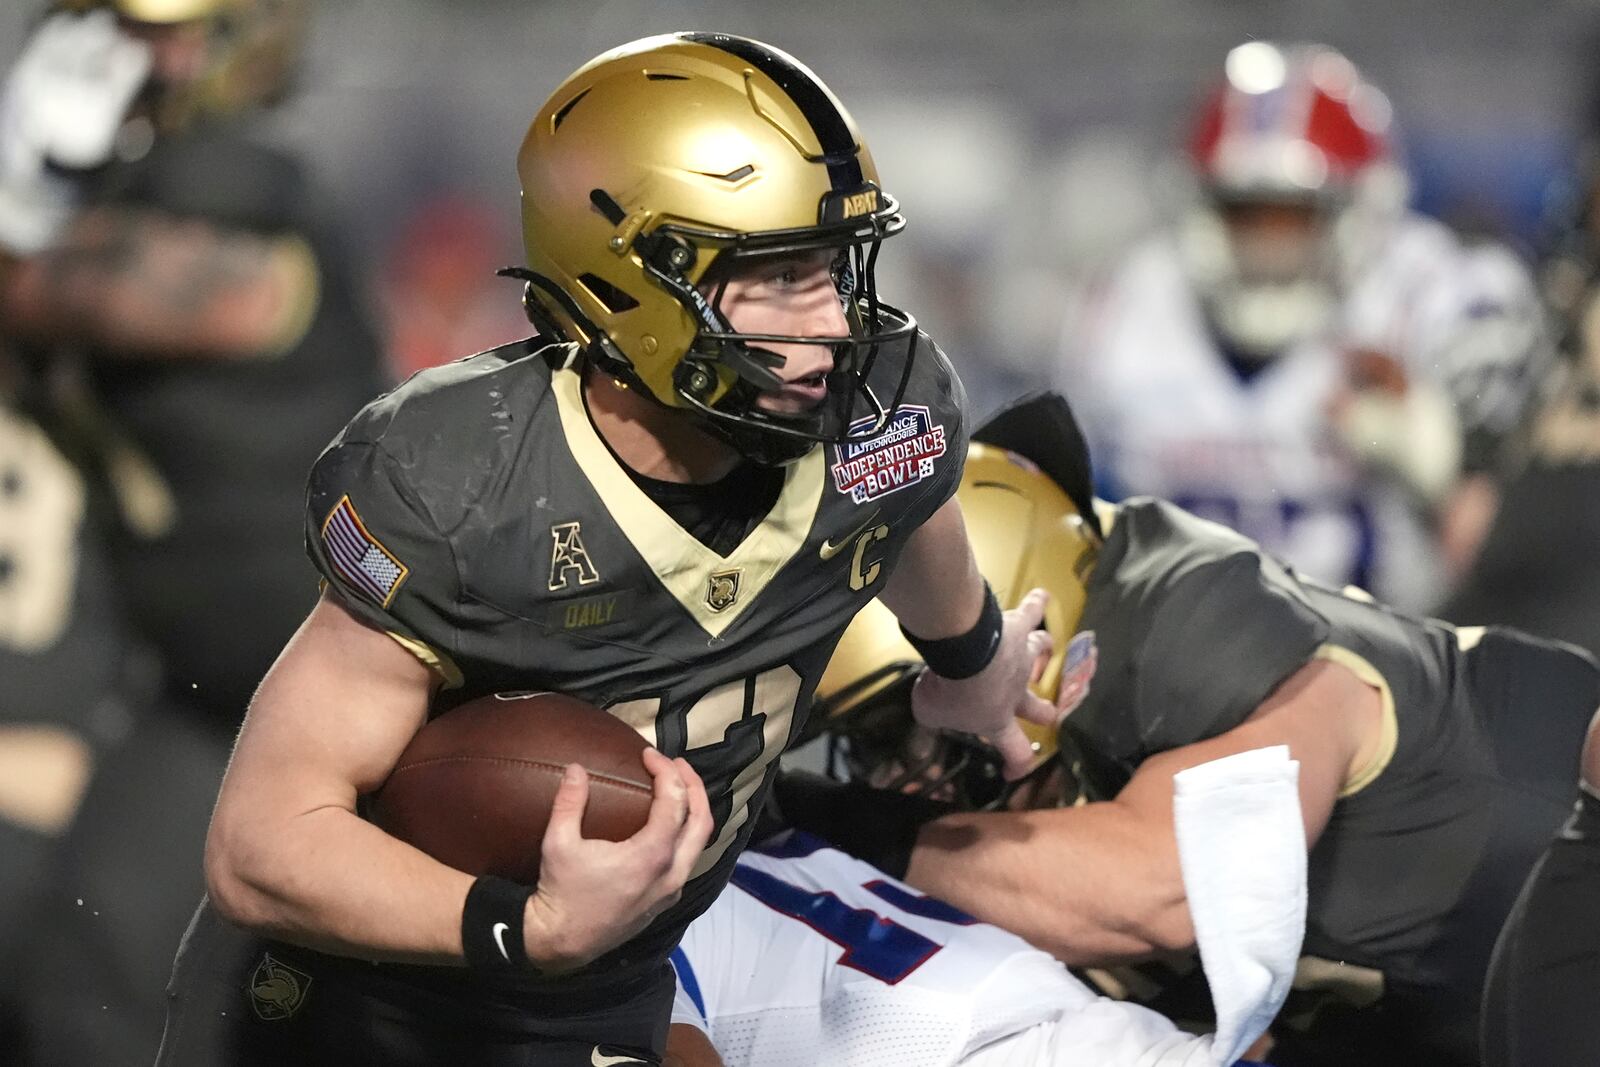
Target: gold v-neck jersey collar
x=695, y=575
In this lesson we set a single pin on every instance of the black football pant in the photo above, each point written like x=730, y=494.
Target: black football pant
x=239, y=1001
x=1542, y=1002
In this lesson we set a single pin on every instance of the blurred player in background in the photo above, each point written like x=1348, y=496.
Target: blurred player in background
x=174, y=281
x=669, y=503
x=1301, y=358
x=1538, y=570
x=69, y=675
x=1435, y=763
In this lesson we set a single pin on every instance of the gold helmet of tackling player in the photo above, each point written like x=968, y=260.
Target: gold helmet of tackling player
x=1026, y=532
x=658, y=167
x=1294, y=154
x=245, y=52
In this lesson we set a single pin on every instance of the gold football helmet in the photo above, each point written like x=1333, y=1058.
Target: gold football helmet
x=1025, y=533
x=645, y=178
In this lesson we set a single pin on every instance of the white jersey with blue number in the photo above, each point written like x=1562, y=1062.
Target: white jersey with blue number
x=1168, y=416
x=813, y=957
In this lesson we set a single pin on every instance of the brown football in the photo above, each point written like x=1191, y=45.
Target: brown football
x=474, y=787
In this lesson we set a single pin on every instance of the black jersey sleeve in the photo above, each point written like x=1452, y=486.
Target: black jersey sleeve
x=371, y=537
x=1195, y=626
x=1226, y=634
x=953, y=399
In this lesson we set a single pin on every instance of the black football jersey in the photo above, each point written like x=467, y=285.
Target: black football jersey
x=1194, y=627
x=476, y=514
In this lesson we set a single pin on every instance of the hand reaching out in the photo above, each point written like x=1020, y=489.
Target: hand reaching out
x=990, y=702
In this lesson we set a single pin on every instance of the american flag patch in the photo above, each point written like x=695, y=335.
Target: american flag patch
x=360, y=558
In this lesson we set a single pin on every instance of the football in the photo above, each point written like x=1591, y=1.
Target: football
x=474, y=787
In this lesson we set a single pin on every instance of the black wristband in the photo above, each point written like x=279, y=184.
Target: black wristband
x=966, y=654
x=492, y=924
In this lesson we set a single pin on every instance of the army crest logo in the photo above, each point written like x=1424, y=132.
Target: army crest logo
x=722, y=589
x=277, y=990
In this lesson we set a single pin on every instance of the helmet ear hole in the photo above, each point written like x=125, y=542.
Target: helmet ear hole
x=613, y=299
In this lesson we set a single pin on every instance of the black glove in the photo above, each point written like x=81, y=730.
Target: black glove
x=874, y=825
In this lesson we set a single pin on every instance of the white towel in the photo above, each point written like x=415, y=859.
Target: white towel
x=1242, y=844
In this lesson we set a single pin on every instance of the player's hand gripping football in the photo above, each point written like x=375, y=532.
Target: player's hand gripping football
x=990, y=702
x=593, y=894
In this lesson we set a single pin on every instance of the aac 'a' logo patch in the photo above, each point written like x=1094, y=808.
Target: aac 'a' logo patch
x=903, y=454
x=1077, y=671
x=568, y=558
x=277, y=990
x=722, y=589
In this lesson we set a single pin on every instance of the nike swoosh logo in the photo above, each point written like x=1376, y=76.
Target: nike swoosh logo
x=499, y=930
x=830, y=548
x=600, y=1059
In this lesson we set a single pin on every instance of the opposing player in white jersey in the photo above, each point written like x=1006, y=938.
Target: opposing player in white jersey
x=811, y=956
x=1302, y=358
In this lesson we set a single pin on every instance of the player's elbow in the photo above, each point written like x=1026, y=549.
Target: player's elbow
x=234, y=874
x=1166, y=925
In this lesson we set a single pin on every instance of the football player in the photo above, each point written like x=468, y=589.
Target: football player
x=183, y=277
x=669, y=503
x=1537, y=570
x=1300, y=357
x=1436, y=762
x=1540, y=1002
x=877, y=973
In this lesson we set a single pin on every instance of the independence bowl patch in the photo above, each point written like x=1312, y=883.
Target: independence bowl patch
x=903, y=454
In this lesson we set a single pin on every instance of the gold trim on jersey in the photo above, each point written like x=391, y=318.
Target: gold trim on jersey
x=1106, y=512
x=432, y=658
x=1388, y=727
x=684, y=566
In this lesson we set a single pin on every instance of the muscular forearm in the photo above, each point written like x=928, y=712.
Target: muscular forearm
x=1089, y=884
x=936, y=590
x=1103, y=881
x=142, y=285
x=331, y=881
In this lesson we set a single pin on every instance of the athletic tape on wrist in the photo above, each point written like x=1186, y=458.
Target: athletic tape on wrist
x=492, y=925
x=966, y=654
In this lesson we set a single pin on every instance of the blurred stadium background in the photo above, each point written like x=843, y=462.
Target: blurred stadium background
x=1026, y=139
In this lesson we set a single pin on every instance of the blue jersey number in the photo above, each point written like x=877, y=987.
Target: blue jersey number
x=873, y=944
